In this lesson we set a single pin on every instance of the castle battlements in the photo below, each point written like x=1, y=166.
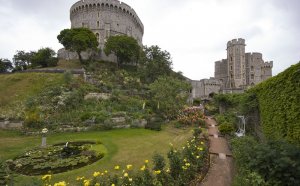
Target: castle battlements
x=268, y=64
x=238, y=41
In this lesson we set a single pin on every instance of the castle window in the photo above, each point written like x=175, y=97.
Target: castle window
x=231, y=59
x=230, y=67
x=98, y=14
x=252, y=76
x=97, y=35
x=98, y=24
x=252, y=68
x=82, y=24
x=107, y=30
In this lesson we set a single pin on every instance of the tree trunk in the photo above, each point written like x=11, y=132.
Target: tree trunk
x=79, y=56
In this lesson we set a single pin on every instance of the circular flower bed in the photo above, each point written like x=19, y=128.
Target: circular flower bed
x=56, y=159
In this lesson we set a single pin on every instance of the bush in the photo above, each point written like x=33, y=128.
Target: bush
x=277, y=162
x=226, y=128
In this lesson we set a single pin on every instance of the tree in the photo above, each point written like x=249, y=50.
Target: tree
x=44, y=57
x=169, y=94
x=78, y=40
x=155, y=63
x=5, y=65
x=124, y=47
x=22, y=59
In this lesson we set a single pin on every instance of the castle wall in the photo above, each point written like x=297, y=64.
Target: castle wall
x=221, y=72
x=203, y=88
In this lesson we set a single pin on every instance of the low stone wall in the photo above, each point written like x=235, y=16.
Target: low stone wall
x=11, y=124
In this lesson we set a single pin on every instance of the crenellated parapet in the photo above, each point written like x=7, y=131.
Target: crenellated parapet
x=268, y=64
x=234, y=42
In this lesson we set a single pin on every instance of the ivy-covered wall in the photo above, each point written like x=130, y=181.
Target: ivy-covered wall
x=279, y=105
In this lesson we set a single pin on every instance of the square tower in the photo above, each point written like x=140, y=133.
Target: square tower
x=236, y=68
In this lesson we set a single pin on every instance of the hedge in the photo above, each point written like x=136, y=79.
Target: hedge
x=279, y=105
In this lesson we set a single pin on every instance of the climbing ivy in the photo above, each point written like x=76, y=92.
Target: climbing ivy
x=279, y=105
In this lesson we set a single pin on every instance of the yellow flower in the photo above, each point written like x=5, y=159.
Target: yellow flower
x=168, y=170
x=86, y=182
x=146, y=161
x=113, y=185
x=143, y=168
x=97, y=184
x=102, y=174
x=201, y=149
x=130, y=179
x=125, y=174
x=201, y=143
x=117, y=167
x=184, y=160
x=46, y=177
x=61, y=183
x=105, y=171
x=184, y=168
x=96, y=174
x=197, y=157
x=187, y=164
x=157, y=172
x=129, y=167
x=171, y=144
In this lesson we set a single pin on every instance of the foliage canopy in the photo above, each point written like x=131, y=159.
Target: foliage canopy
x=78, y=40
x=124, y=47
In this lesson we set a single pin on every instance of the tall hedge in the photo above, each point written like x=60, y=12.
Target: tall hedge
x=279, y=104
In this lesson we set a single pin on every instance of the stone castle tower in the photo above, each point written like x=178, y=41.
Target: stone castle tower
x=241, y=70
x=105, y=18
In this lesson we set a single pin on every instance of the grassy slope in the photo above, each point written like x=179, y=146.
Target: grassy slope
x=15, y=88
x=127, y=146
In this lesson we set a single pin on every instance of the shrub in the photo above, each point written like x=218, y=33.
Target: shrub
x=277, y=162
x=226, y=128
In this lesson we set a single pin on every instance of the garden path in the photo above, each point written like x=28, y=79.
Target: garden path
x=221, y=164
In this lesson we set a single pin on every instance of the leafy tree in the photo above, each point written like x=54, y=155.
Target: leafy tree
x=124, y=47
x=78, y=40
x=22, y=60
x=44, y=57
x=5, y=65
x=155, y=63
x=169, y=95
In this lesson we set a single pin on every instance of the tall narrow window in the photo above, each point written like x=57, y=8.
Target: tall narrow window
x=82, y=24
x=97, y=35
x=252, y=68
x=252, y=76
x=98, y=14
x=107, y=30
x=98, y=24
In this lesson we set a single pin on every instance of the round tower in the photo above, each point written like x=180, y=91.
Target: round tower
x=105, y=18
x=236, y=63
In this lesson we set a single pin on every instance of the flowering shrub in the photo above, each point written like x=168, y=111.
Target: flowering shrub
x=185, y=165
x=191, y=115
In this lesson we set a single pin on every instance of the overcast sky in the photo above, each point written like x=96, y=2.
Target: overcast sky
x=195, y=32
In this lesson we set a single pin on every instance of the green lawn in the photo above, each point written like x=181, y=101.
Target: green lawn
x=126, y=146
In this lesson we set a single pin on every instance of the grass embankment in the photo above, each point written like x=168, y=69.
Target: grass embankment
x=127, y=146
x=16, y=88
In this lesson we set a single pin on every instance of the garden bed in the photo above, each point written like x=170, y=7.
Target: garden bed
x=58, y=158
